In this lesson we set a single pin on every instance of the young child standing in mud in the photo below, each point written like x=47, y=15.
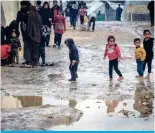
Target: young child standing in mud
x=148, y=46
x=15, y=47
x=59, y=28
x=74, y=58
x=113, y=52
x=140, y=56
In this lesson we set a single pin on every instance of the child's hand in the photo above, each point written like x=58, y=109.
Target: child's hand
x=118, y=60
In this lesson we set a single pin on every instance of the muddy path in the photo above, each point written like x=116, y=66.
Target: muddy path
x=92, y=84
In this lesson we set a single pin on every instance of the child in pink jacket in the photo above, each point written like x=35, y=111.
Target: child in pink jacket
x=113, y=52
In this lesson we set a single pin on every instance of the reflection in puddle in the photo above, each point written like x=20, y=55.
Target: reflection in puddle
x=109, y=115
x=142, y=106
x=95, y=112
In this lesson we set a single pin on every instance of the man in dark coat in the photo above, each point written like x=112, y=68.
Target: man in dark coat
x=74, y=58
x=22, y=19
x=34, y=29
x=118, y=13
x=151, y=9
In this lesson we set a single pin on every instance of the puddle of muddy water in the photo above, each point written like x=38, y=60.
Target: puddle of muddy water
x=110, y=115
x=97, y=114
x=142, y=106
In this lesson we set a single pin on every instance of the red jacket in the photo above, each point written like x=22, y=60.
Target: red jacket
x=5, y=51
x=59, y=24
x=112, y=51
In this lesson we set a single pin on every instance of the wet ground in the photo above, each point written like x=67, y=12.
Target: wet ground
x=101, y=102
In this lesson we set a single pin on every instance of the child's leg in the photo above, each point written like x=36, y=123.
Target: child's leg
x=149, y=64
x=10, y=59
x=76, y=67
x=144, y=65
x=13, y=53
x=47, y=40
x=89, y=24
x=42, y=54
x=116, y=68
x=72, y=71
x=140, y=67
x=93, y=24
x=16, y=56
x=81, y=20
x=110, y=69
x=55, y=39
x=59, y=37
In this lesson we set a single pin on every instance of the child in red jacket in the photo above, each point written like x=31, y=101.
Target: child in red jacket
x=113, y=52
x=59, y=28
x=5, y=53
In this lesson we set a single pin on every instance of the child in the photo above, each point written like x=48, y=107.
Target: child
x=113, y=52
x=15, y=44
x=92, y=19
x=140, y=55
x=148, y=46
x=74, y=59
x=59, y=28
x=5, y=53
x=82, y=13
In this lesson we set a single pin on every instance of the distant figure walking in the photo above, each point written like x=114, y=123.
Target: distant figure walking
x=118, y=13
x=151, y=9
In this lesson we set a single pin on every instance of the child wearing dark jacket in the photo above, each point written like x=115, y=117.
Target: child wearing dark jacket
x=148, y=46
x=74, y=58
x=15, y=46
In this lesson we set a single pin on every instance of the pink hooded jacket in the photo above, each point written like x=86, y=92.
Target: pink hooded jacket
x=112, y=51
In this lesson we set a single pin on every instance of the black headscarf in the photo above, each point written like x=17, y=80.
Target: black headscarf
x=45, y=14
x=47, y=4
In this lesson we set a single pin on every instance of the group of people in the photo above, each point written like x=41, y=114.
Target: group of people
x=36, y=23
x=143, y=55
x=79, y=11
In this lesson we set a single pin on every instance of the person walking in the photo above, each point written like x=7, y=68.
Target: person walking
x=119, y=13
x=151, y=9
x=22, y=19
x=46, y=16
x=34, y=29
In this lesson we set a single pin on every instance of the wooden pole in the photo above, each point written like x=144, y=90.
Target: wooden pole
x=131, y=16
